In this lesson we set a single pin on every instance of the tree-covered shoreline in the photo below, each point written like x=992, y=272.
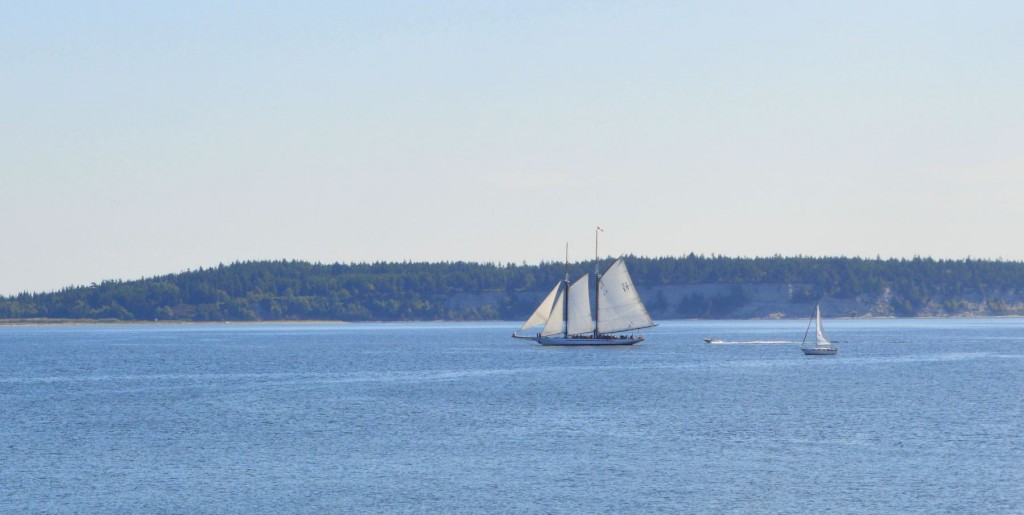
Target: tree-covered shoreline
x=672, y=287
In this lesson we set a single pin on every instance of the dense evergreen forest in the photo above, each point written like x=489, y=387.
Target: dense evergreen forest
x=672, y=287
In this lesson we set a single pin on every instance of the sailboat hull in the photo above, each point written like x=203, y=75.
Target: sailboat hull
x=576, y=341
x=819, y=351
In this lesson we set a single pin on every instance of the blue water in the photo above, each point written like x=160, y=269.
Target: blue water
x=911, y=416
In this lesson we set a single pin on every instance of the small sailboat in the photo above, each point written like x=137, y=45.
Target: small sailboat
x=566, y=318
x=821, y=347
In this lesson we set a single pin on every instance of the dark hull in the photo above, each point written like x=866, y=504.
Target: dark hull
x=552, y=341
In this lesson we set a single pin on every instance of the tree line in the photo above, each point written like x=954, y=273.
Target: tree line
x=391, y=291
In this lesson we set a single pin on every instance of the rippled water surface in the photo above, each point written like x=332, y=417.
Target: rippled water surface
x=911, y=416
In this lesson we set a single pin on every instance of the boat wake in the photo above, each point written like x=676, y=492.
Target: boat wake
x=748, y=342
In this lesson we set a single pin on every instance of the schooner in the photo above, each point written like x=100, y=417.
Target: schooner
x=565, y=316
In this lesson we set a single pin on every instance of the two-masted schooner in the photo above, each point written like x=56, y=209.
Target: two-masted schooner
x=566, y=318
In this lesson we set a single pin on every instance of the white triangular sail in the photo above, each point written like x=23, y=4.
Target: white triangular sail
x=580, y=321
x=817, y=321
x=540, y=316
x=554, y=324
x=619, y=305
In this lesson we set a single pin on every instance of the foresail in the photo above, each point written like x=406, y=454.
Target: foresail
x=580, y=320
x=554, y=324
x=540, y=316
x=619, y=305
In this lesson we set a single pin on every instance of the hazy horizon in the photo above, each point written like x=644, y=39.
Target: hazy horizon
x=143, y=140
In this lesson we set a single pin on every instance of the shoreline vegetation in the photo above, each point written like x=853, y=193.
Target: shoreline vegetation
x=673, y=288
x=114, y=321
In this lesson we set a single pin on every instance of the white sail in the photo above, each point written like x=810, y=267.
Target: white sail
x=817, y=320
x=554, y=324
x=580, y=320
x=540, y=316
x=619, y=305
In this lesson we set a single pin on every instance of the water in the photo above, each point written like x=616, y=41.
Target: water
x=912, y=416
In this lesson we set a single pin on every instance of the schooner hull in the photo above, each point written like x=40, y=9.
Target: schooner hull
x=552, y=341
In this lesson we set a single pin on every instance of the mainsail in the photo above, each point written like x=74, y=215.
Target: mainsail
x=821, y=335
x=619, y=306
x=580, y=320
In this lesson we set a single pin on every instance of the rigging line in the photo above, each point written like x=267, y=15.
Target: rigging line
x=808, y=330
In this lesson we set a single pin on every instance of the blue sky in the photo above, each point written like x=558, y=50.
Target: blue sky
x=143, y=138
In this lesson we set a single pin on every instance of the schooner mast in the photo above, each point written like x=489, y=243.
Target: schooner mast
x=597, y=282
x=565, y=309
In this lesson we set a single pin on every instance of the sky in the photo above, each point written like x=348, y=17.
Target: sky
x=147, y=138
